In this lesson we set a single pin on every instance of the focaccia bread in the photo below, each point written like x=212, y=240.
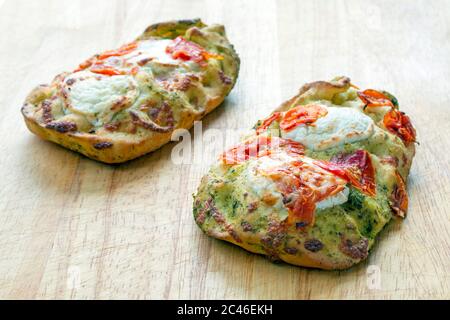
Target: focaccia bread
x=123, y=103
x=316, y=181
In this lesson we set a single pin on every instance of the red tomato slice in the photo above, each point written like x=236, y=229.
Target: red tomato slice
x=97, y=63
x=258, y=147
x=303, y=208
x=108, y=71
x=86, y=64
x=267, y=122
x=134, y=71
x=303, y=184
x=374, y=98
x=187, y=50
x=399, y=124
x=356, y=168
x=302, y=115
x=400, y=197
x=123, y=50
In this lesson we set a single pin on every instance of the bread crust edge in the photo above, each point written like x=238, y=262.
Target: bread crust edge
x=121, y=150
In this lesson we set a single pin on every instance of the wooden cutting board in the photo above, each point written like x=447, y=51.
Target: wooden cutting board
x=74, y=228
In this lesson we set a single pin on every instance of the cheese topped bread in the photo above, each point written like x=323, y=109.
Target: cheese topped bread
x=316, y=181
x=123, y=103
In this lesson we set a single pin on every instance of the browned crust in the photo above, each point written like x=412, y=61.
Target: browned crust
x=305, y=259
x=110, y=149
x=273, y=248
x=120, y=150
x=150, y=125
x=317, y=87
x=170, y=29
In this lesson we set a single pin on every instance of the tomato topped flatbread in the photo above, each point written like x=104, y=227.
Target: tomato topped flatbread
x=122, y=103
x=316, y=181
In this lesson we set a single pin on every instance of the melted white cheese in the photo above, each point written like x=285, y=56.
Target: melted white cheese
x=339, y=126
x=262, y=186
x=94, y=96
x=152, y=50
x=337, y=199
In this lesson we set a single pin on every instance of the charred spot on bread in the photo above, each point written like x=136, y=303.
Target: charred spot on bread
x=162, y=115
x=233, y=233
x=70, y=81
x=113, y=126
x=272, y=241
x=313, y=245
x=103, y=145
x=149, y=125
x=47, y=111
x=354, y=249
x=224, y=78
x=291, y=250
x=62, y=127
x=252, y=206
x=181, y=83
x=246, y=226
x=201, y=216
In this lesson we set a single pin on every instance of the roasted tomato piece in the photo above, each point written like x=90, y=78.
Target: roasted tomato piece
x=399, y=124
x=123, y=50
x=303, y=208
x=290, y=146
x=374, y=98
x=357, y=168
x=400, y=198
x=302, y=184
x=307, y=194
x=306, y=114
x=267, y=122
x=258, y=147
x=86, y=64
x=187, y=50
x=108, y=71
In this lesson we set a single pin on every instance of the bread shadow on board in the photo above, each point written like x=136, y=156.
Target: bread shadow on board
x=261, y=272
x=54, y=166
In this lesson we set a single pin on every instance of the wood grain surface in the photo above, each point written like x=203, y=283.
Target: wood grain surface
x=72, y=228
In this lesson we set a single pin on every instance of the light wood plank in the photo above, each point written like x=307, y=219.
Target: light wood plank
x=72, y=228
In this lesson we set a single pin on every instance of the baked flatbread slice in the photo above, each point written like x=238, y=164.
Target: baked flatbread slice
x=123, y=103
x=316, y=181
